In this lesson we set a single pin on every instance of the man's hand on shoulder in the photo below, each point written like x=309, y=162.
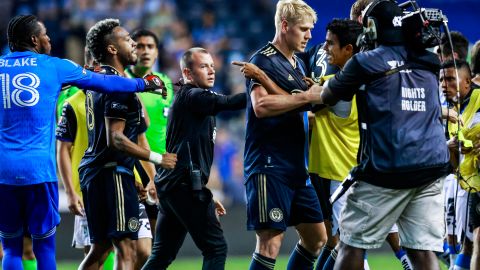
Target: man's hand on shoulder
x=250, y=70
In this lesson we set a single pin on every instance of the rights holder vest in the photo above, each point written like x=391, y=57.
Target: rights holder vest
x=399, y=114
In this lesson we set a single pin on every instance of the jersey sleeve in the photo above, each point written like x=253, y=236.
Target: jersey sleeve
x=210, y=103
x=347, y=82
x=69, y=72
x=265, y=64
x=116, y=106
x=67, y=124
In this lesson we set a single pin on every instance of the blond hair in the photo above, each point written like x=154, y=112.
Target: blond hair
x=293, y=11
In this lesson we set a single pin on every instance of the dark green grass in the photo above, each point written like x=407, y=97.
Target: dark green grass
x=377, y=261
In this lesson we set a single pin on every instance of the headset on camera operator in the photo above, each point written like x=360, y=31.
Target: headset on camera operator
x=402, y=157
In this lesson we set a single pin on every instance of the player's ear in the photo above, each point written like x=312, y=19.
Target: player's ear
x=349, y=48
x=284, y=26
x=34, y=40
x=111, y=49
x=468, y=82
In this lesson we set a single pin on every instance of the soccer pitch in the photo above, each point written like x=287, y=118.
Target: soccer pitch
x=377, y=261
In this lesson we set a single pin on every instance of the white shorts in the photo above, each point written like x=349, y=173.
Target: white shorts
x=338, y=206
x=450, y=190
x=457, y=217
x=81, y=236
x=371, y=211
x=145, y=230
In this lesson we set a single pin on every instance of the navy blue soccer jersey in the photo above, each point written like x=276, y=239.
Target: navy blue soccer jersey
x=317, y=64
x=277, y=145
x=125, y=106
x=67, y=125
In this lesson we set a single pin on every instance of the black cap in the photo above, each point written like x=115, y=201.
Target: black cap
x=388, y=21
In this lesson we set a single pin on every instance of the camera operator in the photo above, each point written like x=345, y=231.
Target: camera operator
x=403, y=158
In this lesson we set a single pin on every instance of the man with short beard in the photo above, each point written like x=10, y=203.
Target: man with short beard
x=114, y=123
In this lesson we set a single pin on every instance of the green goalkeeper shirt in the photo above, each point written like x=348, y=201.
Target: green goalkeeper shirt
x=157, y=109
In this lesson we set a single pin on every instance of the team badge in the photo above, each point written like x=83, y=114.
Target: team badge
x=133, y=224
x=276, y=215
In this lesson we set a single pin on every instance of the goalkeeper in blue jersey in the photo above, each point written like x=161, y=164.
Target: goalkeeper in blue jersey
x=30, y=83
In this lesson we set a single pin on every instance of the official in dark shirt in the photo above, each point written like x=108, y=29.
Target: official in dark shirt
x=185, y=207
x=114, y=122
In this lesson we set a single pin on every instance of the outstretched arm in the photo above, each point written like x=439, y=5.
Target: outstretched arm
x=267, y=105
x=64, y=160
x=252, y=71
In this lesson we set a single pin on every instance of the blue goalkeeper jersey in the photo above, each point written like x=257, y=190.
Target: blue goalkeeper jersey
x=30, y=84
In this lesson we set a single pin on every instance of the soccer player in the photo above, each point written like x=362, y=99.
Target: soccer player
x=186, y=204
x=335, y=136
x=107, y=182
x=468, y=104
x=474, y=212
x=156, y=107
x=31, y=82
x=72, y=142
x=276, y=146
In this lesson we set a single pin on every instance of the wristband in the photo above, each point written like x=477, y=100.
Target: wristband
x=155, y=158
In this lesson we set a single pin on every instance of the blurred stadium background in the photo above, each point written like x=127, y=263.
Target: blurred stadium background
x=230, y=30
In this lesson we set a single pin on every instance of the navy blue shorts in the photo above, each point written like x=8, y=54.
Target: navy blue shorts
x=273, y=204
x=322, y=188
x=31, y=207
x=111, y=205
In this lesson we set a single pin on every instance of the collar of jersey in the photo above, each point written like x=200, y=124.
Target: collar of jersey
x=111, y=69
x=23, y=53
x=295, y=58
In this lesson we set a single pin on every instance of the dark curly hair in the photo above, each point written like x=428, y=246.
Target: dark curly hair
x=20, y=30
x=97, y=37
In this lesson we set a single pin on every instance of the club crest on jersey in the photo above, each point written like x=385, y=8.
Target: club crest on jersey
x=133, y=224
x=276, y=215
